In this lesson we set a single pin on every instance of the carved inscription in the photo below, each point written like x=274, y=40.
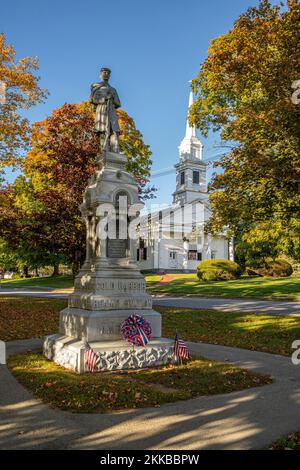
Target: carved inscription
x=116, y=248
x=111, y=303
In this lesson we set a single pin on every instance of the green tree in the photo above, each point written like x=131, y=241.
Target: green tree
x=23, y=246
x=8, y=258
x=244, y=92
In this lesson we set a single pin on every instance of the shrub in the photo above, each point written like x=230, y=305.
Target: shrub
x=218, y=270
x=252, y=272
x=280, y=267
x=277, y=268
x=16, y=276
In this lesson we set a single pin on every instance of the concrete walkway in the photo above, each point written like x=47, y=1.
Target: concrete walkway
x=209, y=303
x=250, y=419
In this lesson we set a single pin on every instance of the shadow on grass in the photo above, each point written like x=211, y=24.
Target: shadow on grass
x=268, y=333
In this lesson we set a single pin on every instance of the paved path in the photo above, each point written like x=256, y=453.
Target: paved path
x=222, y=305
x=231, y=305
x=250, y=419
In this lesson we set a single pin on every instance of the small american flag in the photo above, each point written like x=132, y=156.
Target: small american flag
x=180, y=348
x=91, y=358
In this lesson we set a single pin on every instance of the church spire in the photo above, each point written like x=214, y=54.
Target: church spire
x=190, y=147
x=190, y=131
x=190, y=170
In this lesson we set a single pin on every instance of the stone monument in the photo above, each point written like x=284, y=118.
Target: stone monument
x=109, y=287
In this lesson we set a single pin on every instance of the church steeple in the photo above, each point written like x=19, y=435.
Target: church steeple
x=191, y=170
x=190, y=131
x=190, y=146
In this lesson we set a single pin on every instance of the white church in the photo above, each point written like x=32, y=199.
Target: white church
x=173, y=238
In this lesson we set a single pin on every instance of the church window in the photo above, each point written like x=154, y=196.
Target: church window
x=192, y=255
x=172, y=224
x=182, y=177
x=196, y=177
x=160, y=224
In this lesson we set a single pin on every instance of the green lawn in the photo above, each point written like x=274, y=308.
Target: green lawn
x=267, y=333
x=257, y=287
x=118, y=390
x=188, y=284
x=24, y=317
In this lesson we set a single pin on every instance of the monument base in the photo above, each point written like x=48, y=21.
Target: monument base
x=102, y=325
x=114, y=355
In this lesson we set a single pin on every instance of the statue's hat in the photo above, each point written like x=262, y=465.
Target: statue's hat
x=105, y=69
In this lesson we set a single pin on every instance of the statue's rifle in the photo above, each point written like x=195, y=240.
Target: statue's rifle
x=107, y=119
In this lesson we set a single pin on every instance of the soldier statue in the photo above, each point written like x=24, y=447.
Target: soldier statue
x=105, y=100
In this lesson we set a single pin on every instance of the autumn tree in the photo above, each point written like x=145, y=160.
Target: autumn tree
x=19, y=90
x=244, y=91
x=64, y=150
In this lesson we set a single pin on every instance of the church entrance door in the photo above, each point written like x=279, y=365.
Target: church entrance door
x=173, y=259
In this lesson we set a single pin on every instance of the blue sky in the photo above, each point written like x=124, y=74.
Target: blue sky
x=153, y=48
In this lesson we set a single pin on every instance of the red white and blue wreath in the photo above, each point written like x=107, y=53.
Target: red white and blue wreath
x=136, y=330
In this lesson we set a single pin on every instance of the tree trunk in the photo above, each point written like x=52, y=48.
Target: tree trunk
x=26, y=271
x=36, y=272
x=75, y=267
x=55, y=269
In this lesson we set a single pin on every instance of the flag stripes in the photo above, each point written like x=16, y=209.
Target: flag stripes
x=91, y=358
x=180, y=348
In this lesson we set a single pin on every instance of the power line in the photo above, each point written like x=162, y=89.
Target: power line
x=171, y=169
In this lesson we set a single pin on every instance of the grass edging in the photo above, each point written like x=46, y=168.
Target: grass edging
x=291, y=442
x=112, y=391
